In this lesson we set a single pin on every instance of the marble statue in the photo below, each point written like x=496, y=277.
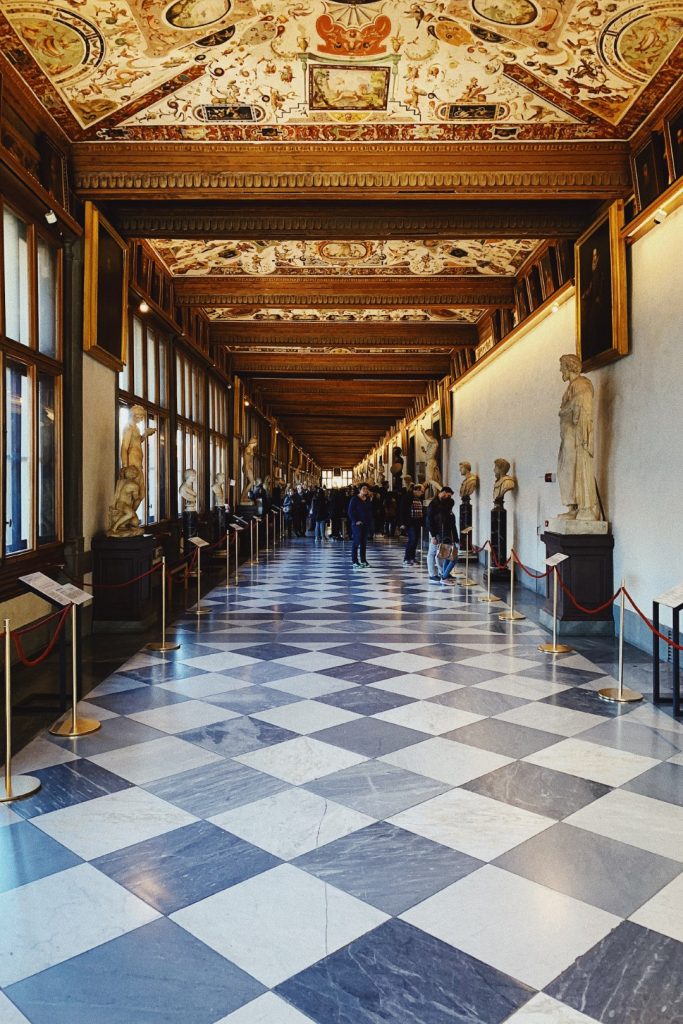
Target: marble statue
x=396, y=468
x=130, y=487
x=370, y=476
x=218, y=488
x=431, y=451
x=470, y=481
x=188, y=490
x=575, y=471
x=248, y=455
x=380, y=476
x=503, y=481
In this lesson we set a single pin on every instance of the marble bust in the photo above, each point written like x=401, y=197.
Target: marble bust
x=575, y=470
x=218, y=488
x=187, y=490
x=503, y=481
x=470, y=480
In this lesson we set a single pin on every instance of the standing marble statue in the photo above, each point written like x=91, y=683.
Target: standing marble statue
x=575, y=471
x=396, y=468
x=470, y=481
x=379, y=476
x=431, y=451
x=130, y=487
x=248, y=455
x=503, y=482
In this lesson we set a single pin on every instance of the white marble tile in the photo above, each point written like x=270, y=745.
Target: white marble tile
x=474, y=824
x=58, y=917
x=222, y=662
x=306, y=716
x=424, y=716
x=111, y=822
x=41, y=753
x=544, y=1010
x=522, y=686
x=267, y=1009
x=634, y=819
x=204, y=685
x=549, y=718
x=88, y=710
x=446, y=760
x=190, y=714
x=8, y=817
x=9, y=1013
x=523, y=929
x=664, y=912
x=500, y=663
x=312, y=661
x=411, y=685
x=140, y=660
x=304, y=919
x=155, y=759
x=406, y=645
x=677, y=758
x=406, y=662
x=578, y=661
x=115, y=684
x=292, y=823
x=300, y=760
x=310, y=685
x=609, y=765
x=648, y=714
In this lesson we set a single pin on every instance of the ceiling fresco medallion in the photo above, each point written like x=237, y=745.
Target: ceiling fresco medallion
x=288, y=314
x=344, y=258
x=298, y=71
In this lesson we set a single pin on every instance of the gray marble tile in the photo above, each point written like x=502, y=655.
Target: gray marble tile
x=481, y=702
x=503, y=737
x=663, y=782
x=623, y=734
x=377, y=789
x=117, y=733
x=633, y=976
x=542, y=790
x=237, y=736
x=591, y=868
x=208, y=791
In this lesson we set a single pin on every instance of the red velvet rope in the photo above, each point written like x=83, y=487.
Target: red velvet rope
x=533, y=575
x=17, y=634
x=582, y=608
x=666, y=639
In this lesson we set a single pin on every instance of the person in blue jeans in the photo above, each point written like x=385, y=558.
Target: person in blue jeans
x=361, y=519
x=411, y=513
x=320, y=514
x=441, y=526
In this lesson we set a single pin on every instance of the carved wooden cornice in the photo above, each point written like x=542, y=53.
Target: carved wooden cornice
x=347, y=219
x=379, y=335
x=419, y=367
x=209, y=170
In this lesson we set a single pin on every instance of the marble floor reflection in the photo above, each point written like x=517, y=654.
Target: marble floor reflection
x=351, y=797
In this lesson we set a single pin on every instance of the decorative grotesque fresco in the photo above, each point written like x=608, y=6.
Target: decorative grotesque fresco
x=297, y=314
x=499, y=257
x=335, y=70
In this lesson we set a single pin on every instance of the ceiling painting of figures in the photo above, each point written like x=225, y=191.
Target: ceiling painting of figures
x=298, y=314
x=327, y=70
x=345, y=258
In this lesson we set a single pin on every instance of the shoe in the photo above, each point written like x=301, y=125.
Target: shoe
x=435, y=579
x=447, y=582
x=364, y=565
x=356, y=565
x=408, y=562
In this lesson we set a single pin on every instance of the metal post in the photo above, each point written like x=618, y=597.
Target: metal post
x=512, y=615
x=200, y=609
x=488, y=596
x=421, y=542
x=554, y=647
x=21, y=785
x=266, y=519
x=620, y=694
x=251, y=541
x=155, y=645
x=237, y=556
x=466, y=581
x=71, y=725
x=227, y=559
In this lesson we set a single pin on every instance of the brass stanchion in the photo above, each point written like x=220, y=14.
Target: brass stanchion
x=237, y=554
x=199, y=544
x=251, y=541
x=466, y=581
x=511, y=615
x=554, y=647
x=155, y=645
x=620, y=694
x=257, y=520
x=422, y=540
x=266, y=516
x=488, y=596
x=20, y=785
x=227, y=560
x=71, y=725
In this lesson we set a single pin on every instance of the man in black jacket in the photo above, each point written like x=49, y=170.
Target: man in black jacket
x=440, y=523
x=411, y=513
x=360, y=517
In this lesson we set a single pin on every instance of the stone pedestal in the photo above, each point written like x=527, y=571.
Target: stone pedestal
x=465, y=520
x=115, y=560
x=219, y=521
x=587, y=573
x=190, y=527
x=499, y=543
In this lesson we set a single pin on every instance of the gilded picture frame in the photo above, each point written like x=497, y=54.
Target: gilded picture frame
x=673, y=127
x=105, y=300
x=601, y=299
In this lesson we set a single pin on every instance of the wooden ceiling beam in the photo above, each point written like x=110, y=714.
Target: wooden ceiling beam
x=418, y=367
x=236, y=334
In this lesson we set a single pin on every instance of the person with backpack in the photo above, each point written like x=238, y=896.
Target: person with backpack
x=443, y=534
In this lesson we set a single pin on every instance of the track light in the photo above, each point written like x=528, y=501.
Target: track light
x=143, y=307
x=660, y=215
x=555, y=308
x=51, y=217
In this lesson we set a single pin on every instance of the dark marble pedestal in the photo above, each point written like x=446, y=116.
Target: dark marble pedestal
x=499, y=543
x=190, y=528
x=464, y=521
x=589, y=575
x=219, y=520
x=115, y=560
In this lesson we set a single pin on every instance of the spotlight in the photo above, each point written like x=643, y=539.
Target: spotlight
x=143, y=307
x=246, y=402
x=555, y=307
x=660, y=215
x=51, y=217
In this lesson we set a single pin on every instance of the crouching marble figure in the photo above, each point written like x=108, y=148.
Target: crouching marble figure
x=130, y=488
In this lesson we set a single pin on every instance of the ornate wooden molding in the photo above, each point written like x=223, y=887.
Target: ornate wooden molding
x=347, y=219
x=207, y=170
x=377, y=335
x=418, y=367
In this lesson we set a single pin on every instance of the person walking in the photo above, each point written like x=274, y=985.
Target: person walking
x=412, y=511
x=320, y=514
x=360, y=518
x=288, y=509
x=440, y=522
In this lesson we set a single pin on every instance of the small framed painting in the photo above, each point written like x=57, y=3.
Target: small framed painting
x=674, y=141
x=600, y=268
x=105, y=312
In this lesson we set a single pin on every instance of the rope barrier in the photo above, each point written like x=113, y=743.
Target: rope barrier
x=18, y=633
x=667, y=640
x=126, y=583
x=496, y=563
x=582, y=608
x=533, y=575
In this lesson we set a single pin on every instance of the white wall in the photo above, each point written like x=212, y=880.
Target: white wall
x=99, y=446
x=509, y=409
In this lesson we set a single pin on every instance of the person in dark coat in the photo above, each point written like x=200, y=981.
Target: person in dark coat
x=361, y=519
x=320, y=511
x=411, y=517
x=440, y=522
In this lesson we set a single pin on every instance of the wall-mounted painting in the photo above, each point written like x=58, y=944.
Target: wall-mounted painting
x=649, y=170
x=105, y=312
x=674, y=141
x=347, y=87
x=600, y=267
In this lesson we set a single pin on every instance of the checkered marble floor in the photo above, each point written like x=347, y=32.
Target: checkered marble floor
x=349, y=798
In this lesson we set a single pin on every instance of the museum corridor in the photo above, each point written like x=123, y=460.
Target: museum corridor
x=349, y=797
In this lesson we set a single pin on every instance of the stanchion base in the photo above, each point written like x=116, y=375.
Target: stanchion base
x=22, y=785
x=467, y=583
x=83, y=726
x=157, y=645
x=489, y=598
x=611, y=693
x=201, y=611
x=555, y=648
x=511, y=616
x=226, y=586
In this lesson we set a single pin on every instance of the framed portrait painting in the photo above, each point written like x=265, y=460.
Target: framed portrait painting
x=674, y=141
x=105, y=307
x=649, y=171
x=600, y=267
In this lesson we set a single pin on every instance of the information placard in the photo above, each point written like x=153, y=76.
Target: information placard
x=198, y=542
x=57, y=593
x=671, y=598
x=236, y=527
x=556, y=559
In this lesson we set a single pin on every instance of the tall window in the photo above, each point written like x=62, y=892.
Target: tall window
x=218, y=429
x=336, y=477
x=190, y=418
x=30, y=354
x=144, y=382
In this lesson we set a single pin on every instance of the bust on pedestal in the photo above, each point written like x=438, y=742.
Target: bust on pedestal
x=396, y=469
x=503, y=483
x=188, y=495
x=469, y=485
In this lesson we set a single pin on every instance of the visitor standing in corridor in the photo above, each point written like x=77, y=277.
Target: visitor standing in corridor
x=360, y=517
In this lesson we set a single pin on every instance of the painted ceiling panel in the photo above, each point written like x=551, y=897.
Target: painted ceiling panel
x=344, y=258
x=373, y=315
x=319, y=70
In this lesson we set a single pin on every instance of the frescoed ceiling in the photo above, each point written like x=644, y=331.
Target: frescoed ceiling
x=275, y=314
x=340, y=70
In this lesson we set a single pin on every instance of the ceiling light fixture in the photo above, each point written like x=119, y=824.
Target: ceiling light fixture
x=246, y=402
x=555, y=307
x=660, y=215
x=143, y=307
x=51, y=217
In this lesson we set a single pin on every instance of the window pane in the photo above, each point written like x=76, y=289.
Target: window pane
x=180, y=459
x=163, y=397
x=151, y=367
x=138, y=366
x=152, y=474
x=179, y=385
x=47, y=455
x=47, y=298
x=18, y=459
x=15, y=245
x=163, y=471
